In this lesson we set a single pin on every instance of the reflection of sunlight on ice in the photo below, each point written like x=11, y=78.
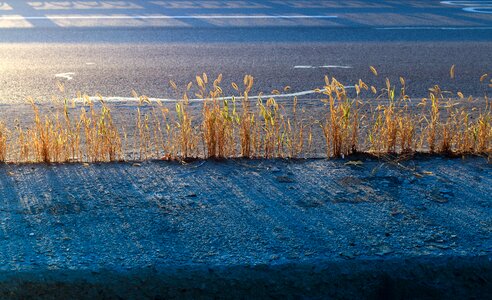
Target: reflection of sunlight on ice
x=209, y=4
x=115, y=20
x=14, y=21
x=55, y=5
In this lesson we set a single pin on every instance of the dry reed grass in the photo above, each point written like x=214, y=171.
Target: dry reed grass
x=263, y=128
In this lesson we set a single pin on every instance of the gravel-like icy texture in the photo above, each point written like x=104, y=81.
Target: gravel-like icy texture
x=316, y=228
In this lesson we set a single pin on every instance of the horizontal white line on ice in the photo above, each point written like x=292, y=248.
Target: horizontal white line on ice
x=143, y=17
x=133, y=99
x=433, y=28
x=323, y=67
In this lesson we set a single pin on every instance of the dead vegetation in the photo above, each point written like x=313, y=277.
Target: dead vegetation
x=378, y=121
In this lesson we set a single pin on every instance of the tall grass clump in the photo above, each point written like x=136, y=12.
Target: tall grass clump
x=101, y=137
x=393, y=126
x=340, y=127
x=3, y=142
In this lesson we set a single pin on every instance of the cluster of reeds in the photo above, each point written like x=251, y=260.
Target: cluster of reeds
x=57, y=137
x=217, y=126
